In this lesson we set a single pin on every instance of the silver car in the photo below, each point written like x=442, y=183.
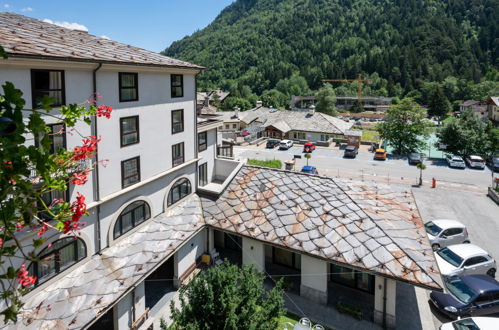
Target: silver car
x=465, y=259
x=443, y=232
x=455, y=161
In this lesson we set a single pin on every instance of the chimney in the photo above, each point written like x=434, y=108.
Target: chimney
x=259, y=104
x=311, y=110
x=236, y=112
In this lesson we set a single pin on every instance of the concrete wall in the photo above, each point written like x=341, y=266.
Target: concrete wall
x=223, y=167
x=391, y=292
x=253, y=253
x=123, y=317
x=314, y=279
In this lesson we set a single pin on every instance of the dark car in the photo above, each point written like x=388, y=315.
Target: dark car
x=309, y=170
x=271, y=144
x=414, y=158
x=351, y=151
x=493, y=163
x=468, y=295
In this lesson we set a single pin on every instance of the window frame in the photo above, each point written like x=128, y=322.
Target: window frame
x=34, y=266
x=174, y=159
x=203, y=174
x=123, y=172
x=136, y=86
x=181, y=121
x=178, y=183
x=172, y=85
x=137, y=126
x=63, y=87
x=205, y=144
x=64, y=141
x=147, y=216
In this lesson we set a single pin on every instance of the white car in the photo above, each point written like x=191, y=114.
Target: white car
x=285, y=144
x=455, y=161
x=465, y=259
x=472, y=323
x=475, y=162
x=443, y=232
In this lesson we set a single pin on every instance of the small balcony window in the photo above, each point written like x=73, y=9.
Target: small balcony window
x=178, y=154
x=177, y=121
x=202, y=141
x=177, y=87
x=129, y=130
x=130, y=172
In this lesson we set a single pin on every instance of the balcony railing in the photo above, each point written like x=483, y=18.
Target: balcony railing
x=226, y=151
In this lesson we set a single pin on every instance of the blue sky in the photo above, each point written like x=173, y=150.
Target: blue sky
x=149, y=24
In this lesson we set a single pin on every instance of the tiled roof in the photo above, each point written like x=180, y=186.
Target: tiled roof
x=295, y=120
x=468, y=103
x=25, y=36
x=373, y=229
x=88, y=290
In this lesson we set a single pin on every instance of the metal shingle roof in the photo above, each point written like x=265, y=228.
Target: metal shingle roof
x=29, y=37
x=370, y=228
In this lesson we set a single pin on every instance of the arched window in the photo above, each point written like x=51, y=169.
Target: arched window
x=132, y=216
x=58, y=257
x=179, y=190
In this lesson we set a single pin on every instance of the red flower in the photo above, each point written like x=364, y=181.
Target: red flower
x=79, y=209
x=79, y=178
x=23, y=277
x=7, y=164
x=42, y=229
x=104, y=111
x=87, y=149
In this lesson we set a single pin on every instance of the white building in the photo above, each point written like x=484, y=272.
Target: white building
x=158, y=153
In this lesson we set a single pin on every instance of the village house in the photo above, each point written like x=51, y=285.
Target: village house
x=369, y=103
x=297, y=125
x=166, y=198
x=207, y=101
x=478, y=108
x=493, y=108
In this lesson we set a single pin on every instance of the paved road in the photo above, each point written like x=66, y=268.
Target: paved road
x=330, y=161
x=478, y=212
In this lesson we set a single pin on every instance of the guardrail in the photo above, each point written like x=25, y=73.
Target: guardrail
x=141, y=320
x=225, y=151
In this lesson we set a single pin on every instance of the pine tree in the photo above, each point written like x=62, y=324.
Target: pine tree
x=438, y=106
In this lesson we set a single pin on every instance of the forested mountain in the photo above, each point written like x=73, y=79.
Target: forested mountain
x=257, y=43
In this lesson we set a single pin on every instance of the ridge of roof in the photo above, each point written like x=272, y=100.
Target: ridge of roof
x=23, y=36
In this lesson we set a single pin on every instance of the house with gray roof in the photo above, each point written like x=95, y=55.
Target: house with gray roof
x=295, y=125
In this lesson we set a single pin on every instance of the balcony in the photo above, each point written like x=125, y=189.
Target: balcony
x=225, y=171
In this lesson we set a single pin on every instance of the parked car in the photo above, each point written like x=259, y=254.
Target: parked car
x=285, y=144
x=415, y=158
x=475, y=162
x=472, y=323
x=351, y=151
x=309, y=170
x=465, y=259
x=455, y=161
x=271, y=144
x=308, y=147
x=442, y=233
x=468, y=295
x=380, y=154
x=493, y=163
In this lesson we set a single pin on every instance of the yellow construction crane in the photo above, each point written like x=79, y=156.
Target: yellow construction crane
x=360, y=81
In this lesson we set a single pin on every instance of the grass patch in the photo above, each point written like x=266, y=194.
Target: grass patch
x=293, y=319
x=369, y=135
x=276, y=163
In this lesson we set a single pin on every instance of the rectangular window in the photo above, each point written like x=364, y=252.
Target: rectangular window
x=202, y=141
x=50, y=83
x=129, y=86
x=203, y=174
x=177, y=85
x=130, y=172
x=352, y=278
x=57, y=136
x=177, y=121
x=129, y=130
x=286, y=258
x=178, y=154
x=234, y=126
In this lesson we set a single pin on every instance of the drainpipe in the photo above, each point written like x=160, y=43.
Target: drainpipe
x=95, y=177
x=196, y=154
x=384, y=303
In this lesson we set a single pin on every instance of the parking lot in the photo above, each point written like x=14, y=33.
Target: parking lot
x=478, y=212
x=330, y=161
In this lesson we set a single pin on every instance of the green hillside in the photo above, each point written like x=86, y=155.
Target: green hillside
x=406, y=42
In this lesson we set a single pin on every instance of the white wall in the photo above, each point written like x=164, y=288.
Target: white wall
x=192, y=250
x=254, y=253
x=123, y=313
x=310, y=268
x=391, y=293
x=208, y=155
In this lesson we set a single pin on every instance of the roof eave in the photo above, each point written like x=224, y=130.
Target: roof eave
x=82, y=60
